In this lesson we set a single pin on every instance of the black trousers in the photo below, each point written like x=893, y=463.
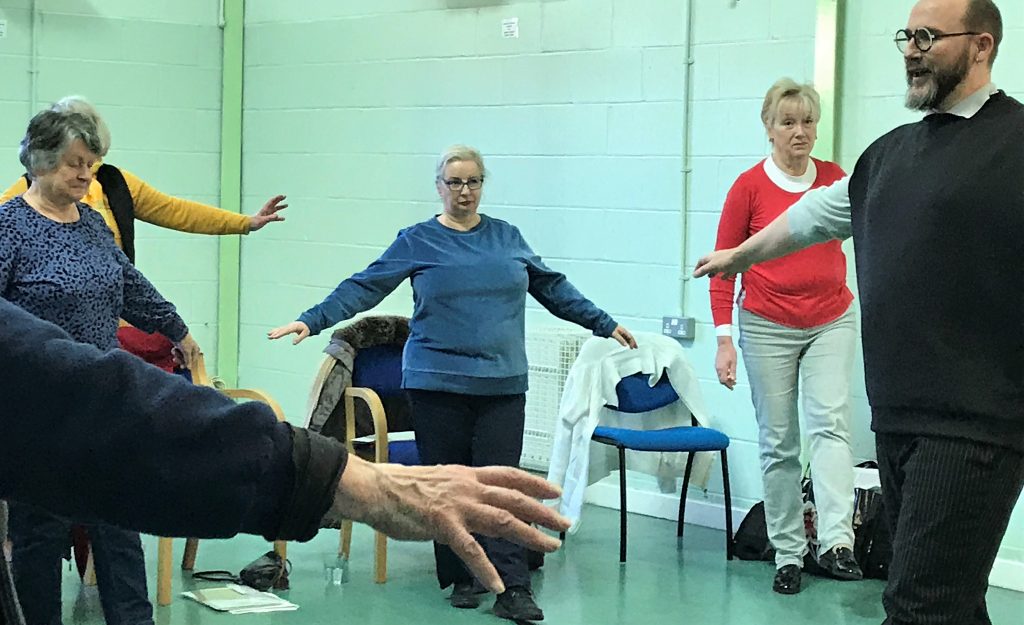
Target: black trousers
x=948, y=502
x=40, y=539
x=474, y=430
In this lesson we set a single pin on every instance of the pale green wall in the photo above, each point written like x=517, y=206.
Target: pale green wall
x=580, y=120
x=153, y=71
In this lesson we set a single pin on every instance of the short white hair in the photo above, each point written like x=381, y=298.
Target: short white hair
x=785, y=89
x=459, y=153
x=78, y=104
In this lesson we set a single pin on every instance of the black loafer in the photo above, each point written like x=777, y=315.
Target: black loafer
x=840, y=564
x=464, y=596
x=517, y=604
x=787, y=580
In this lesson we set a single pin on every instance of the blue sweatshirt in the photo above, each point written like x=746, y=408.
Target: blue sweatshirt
x=74, y=275
x=467, y=332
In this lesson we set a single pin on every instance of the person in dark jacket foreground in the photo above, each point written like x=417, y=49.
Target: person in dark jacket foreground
x=101, y=435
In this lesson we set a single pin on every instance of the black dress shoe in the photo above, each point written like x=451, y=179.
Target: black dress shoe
x=464, y=596
x=517, y=604
x=840, y=564
x=787, y=580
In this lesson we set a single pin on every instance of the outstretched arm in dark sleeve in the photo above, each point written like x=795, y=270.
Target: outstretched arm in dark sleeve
x=102, y=435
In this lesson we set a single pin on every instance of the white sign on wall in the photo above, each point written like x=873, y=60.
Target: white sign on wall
x=510, y=28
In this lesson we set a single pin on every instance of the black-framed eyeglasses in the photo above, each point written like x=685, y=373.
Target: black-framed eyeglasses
x=923, y=38
x=456, y=184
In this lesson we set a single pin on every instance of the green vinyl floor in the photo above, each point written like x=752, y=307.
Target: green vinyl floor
x=583, y=583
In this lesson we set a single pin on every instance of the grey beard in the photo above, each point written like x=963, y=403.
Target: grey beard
x=922, y=100
x=941, y=83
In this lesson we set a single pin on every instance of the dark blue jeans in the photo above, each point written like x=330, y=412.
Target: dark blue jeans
x=41, y=539
x=477, y=431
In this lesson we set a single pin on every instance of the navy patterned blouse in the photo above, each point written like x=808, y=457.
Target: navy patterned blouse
x=74, y=275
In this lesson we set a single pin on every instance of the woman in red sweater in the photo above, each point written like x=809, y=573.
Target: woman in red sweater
x=796, y=326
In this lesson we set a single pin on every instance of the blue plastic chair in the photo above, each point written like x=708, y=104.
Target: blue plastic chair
x=635, y=395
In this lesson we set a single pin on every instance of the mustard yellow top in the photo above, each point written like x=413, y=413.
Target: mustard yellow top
x=156, y=208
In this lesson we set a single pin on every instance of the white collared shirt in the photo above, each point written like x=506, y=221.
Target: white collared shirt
x=787, y=182
x=969, y=106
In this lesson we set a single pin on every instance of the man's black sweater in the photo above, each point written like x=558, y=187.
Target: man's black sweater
x=937, y=211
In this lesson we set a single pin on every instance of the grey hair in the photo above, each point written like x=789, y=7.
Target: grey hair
x=786, y=88
x=459, y=153
x=48, y=136
x=78, y=104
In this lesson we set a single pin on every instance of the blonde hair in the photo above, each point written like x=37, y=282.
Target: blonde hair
x=78, y=104
x=784, y=89
x=459, y=153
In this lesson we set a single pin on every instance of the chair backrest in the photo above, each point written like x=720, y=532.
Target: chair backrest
x=635, y=394
x=379, y=368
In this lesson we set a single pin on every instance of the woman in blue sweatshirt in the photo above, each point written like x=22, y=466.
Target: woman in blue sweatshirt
x=464, y=367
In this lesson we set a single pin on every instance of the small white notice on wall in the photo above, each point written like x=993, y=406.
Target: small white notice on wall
x=510, y=28
x=3, y=28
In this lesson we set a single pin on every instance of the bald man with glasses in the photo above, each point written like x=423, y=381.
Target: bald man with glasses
x=936, y=211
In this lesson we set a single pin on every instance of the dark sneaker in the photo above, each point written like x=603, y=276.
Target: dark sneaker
x=840, y=564
x=787, y=580
x=517, y=604
x=464, y=596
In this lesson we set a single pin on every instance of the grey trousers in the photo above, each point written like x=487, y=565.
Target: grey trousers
x=779, y=360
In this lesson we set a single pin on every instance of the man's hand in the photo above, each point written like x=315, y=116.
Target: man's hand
x=448, y=504
x=726, y=263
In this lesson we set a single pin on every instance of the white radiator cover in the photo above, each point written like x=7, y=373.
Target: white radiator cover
x=551, y=351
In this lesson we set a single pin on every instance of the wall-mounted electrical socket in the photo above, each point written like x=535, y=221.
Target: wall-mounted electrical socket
x=679, y=327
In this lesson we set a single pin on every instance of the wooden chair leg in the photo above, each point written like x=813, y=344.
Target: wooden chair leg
x=89, y=578
x=345, y=541
x=163, y=571
x=380, y=558
x=728, y=507
x=188, y=559
x=622, y=505
x=281, y=549
x=682, y=495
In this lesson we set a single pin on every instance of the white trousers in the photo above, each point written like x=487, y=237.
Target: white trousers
x=779, y=360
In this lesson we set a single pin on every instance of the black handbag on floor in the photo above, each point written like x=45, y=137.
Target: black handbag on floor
x=751, y=539
x=872, y=545
x=268, y=571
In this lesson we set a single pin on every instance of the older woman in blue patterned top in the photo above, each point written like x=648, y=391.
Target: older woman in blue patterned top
x=58, y=261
